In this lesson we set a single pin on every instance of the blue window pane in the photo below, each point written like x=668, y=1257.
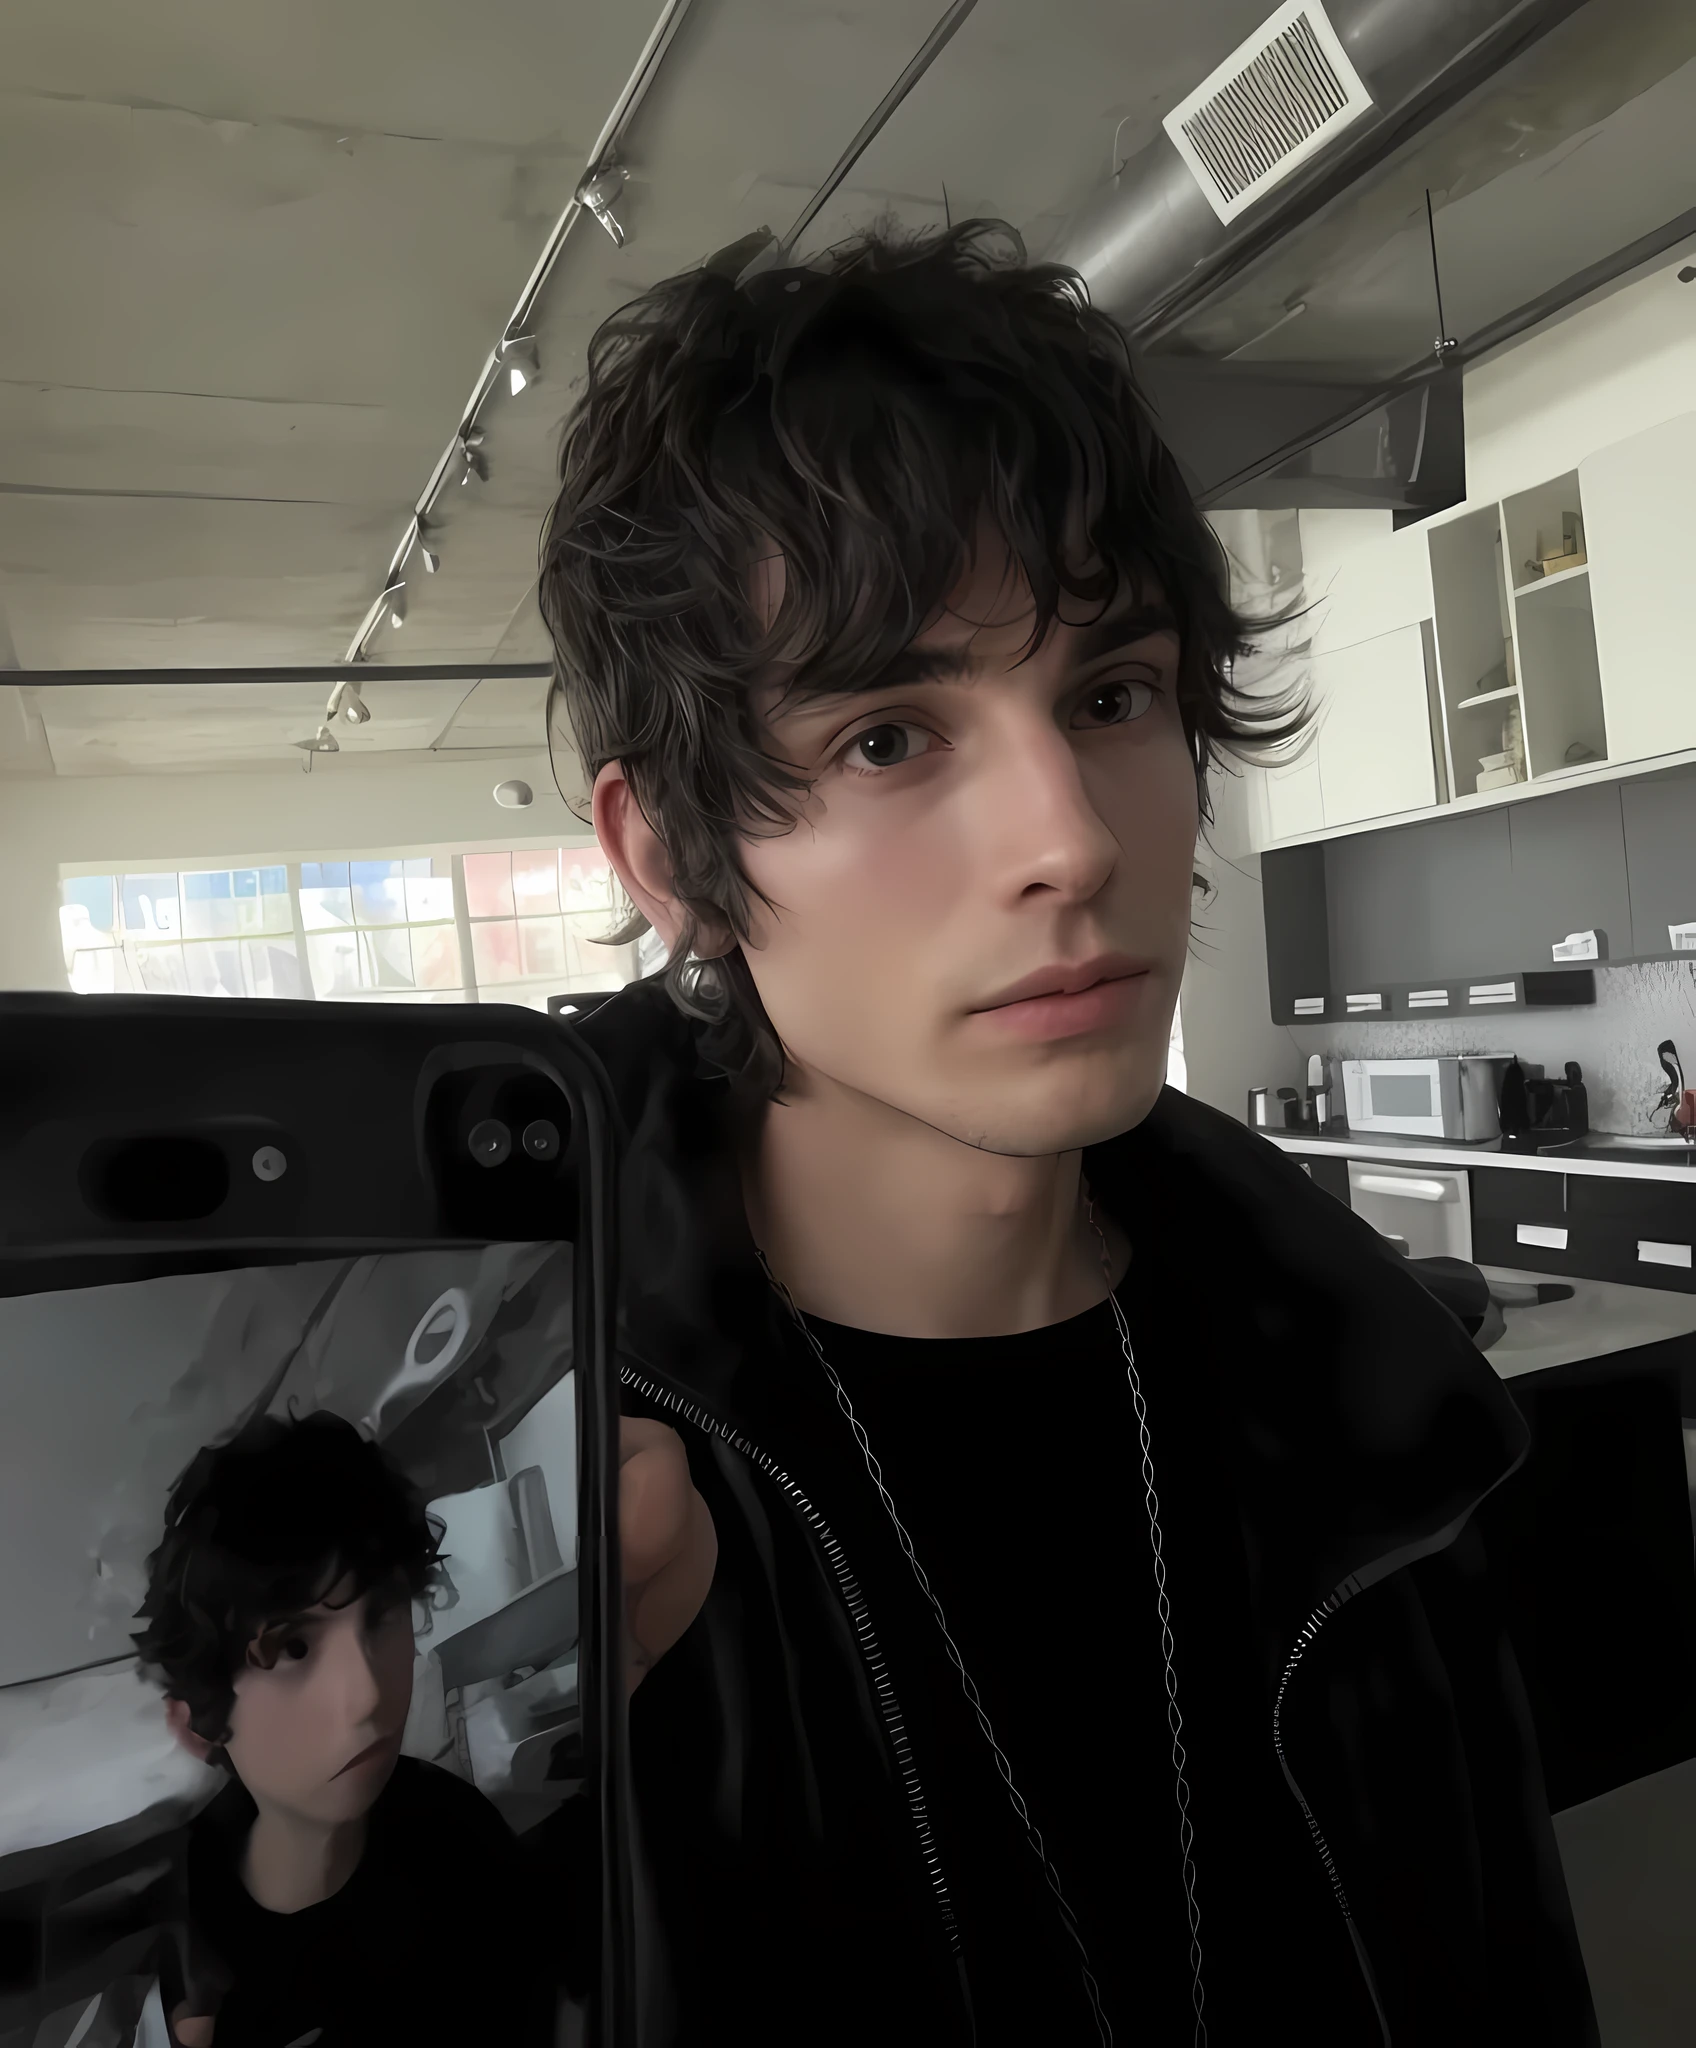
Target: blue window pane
x=326, y=908
x=208, y=908
x=93, y=894
x=323, y=874
x=150, y=906
x=379, y=891
x=276, y=913
x=245, y=882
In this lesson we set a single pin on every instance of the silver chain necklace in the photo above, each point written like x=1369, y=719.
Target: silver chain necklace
x=1174, y=1718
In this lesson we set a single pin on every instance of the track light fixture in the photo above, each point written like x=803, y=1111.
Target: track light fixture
x=322, y=742
x=518, y=353
x=346, y=702
x=426, y=554
x=597, y=194
x=395, y=598
x=471, y=449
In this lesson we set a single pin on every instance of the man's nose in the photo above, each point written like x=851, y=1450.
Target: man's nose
x=1049, y=833
x=355, y=1675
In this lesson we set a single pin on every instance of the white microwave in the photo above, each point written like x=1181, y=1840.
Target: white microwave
x=1457, y=1098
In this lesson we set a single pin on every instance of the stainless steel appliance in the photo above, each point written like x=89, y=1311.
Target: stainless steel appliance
x=1424, y=1211
x=1448, y=1097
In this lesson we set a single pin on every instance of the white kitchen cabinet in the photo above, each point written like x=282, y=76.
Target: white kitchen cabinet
x=1640, y=527
x=1371, y=589
x=1374, y=749
x=1293, y=802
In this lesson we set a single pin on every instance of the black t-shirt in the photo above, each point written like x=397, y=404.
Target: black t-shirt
x=1015, y=1466
x=432, y=1940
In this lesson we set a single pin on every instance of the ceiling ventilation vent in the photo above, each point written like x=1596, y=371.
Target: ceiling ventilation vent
x=1274, y=103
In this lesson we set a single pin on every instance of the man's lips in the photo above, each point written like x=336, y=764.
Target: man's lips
x=1104, y=1006
x=1068, y=978
x=370, y=1754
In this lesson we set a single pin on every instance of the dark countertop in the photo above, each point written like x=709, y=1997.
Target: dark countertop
x=1583, y=1156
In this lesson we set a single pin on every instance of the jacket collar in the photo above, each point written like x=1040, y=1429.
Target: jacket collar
x=1363, y=1425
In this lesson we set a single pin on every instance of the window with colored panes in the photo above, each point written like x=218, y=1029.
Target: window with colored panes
x=443, y=928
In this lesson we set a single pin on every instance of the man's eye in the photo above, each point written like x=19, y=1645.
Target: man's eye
x=295, y=1649
x=884, y=746
x=1118, y=702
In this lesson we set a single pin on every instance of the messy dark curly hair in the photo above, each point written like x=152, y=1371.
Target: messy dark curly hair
x=859, y=415
x=264, y=1526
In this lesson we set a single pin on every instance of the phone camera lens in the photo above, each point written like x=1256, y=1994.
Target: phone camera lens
x=491, y=1143
x=269, y=1163
x=541, y=1140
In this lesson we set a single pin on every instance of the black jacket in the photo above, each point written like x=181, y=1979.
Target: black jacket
x=798, y=1897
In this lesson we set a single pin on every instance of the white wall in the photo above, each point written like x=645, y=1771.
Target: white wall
x=348, y=805
x=1230, y=1041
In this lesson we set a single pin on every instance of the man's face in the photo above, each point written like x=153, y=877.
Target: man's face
x=322, y=1702
x=974, y=827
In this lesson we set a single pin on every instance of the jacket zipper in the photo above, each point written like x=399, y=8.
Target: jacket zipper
x=1303, y=1643
x=855, y=1602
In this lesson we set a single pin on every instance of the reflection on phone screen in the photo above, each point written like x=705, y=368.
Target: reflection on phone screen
x=290, y=1736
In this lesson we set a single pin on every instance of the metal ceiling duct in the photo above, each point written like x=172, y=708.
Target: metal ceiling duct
x=1157, y=242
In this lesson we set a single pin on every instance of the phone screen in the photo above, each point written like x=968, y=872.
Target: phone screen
x=455, y=1367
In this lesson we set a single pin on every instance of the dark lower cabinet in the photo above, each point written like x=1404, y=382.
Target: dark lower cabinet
x=1329, y=1172
x=1640, y=1232
x=1594, y=1565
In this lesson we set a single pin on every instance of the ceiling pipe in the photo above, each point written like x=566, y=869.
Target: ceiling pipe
x=1153, y=249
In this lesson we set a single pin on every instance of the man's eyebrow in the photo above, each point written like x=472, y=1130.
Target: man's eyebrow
x=304, y=1619
x=915, y=665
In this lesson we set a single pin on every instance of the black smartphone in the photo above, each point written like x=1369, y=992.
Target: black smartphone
x=308, y=1445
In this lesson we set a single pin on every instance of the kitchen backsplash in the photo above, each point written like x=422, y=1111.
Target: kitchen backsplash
x=1636, y=1007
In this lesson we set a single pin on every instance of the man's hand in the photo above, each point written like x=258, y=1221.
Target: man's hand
x=667, y=1540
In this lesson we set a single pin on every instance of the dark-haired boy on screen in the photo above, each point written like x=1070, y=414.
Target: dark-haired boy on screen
x=341, y=1893
x=1101, y=1646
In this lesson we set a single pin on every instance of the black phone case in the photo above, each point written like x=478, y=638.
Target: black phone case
x=150, y=1136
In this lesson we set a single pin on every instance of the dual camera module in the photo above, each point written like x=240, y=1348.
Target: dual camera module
x=490, y=1142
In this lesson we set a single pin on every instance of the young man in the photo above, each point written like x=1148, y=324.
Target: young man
x=1099, y=1647
x=338, y=1892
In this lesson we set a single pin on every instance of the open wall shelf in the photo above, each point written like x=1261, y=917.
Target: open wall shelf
x=1520, y=683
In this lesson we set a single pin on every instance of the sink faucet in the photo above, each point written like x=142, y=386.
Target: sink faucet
x=1678, y=1101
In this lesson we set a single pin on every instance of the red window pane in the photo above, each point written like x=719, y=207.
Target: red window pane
x=535, y=883
x=494, y=948
x=542, y=946
x=488, y=884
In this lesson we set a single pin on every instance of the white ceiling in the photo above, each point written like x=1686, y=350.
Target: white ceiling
x=255, y=257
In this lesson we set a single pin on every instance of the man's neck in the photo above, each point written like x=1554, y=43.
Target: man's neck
x=874, y=1220
x=290, y=1863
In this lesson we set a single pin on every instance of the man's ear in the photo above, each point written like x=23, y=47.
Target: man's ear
x=176, y=1719
x=641, y=863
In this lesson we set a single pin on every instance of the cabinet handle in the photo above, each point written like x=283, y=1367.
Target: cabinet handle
x=1551, y=1236
x=1394, y=1184
x=1652, y=1254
